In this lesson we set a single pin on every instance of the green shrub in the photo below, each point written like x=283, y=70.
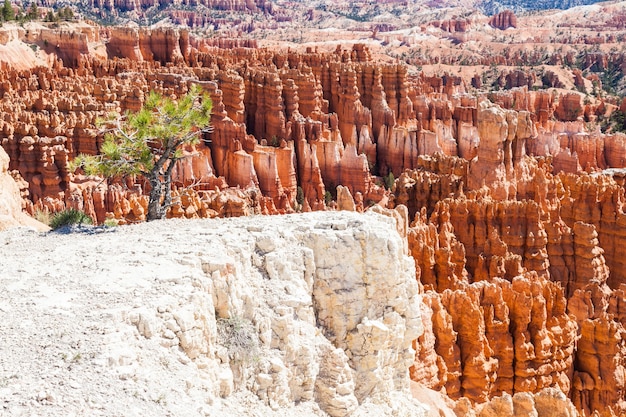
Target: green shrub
x=389, y=180
x=69, y=217
x=328, y=197
x=275, y=141
x=300, y=195
x=110, y=223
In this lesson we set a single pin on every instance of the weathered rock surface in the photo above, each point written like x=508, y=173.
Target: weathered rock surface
x=11, y=214
x=503, y=20
x=308, y=314
x=280, y=119
x=524, y=285
x=547, y=402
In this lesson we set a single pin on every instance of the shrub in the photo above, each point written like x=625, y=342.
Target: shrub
x=238, y=336
x=110, y=223
x=299, y=195
x=373, y=167
x=43, y=216
x=275, y=141
x=328, y=197
x=389, y=180
x=69, y=217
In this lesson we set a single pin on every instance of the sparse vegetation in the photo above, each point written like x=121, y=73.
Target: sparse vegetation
x=299, y=195
x=239, y=337
x=33, y=11
x=616, y=123
x=389, y=180
x=43, y=216
x=63, y=14
x=490, y=7
x=110, y=223
x=373, y=167
x=275, y=141
x=573, y=114
x=69, y=217
x=328, y=198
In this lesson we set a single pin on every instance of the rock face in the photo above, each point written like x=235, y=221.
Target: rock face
x=525, y=285
x=503, y=20
x=494, y=322
x=11, y=214
x=548, y=402
x=316, y=310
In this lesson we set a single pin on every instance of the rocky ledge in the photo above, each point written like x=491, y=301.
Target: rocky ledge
x=311, y=314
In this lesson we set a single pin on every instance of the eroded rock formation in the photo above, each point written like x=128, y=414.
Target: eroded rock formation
x=515, y=207
x=281, y=119
x=519, y=291
x=503, y=20
x=11, y=213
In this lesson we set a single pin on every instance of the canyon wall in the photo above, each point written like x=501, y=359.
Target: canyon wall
x=523, y=292
x=281, y=120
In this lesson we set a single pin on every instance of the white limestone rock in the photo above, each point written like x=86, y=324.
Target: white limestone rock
x=310, y=314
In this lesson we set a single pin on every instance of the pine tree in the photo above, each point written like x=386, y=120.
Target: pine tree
x=33, y=11
x=69, y=14
x=7, y=11
x=150, y=142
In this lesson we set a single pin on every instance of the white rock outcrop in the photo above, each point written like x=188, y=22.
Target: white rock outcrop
x=311, y=314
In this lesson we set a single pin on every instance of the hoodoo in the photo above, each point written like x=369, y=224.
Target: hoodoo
x=465, y=169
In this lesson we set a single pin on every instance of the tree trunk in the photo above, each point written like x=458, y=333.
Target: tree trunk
x=167, y=192
x=155, y=211
x=156, y=208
